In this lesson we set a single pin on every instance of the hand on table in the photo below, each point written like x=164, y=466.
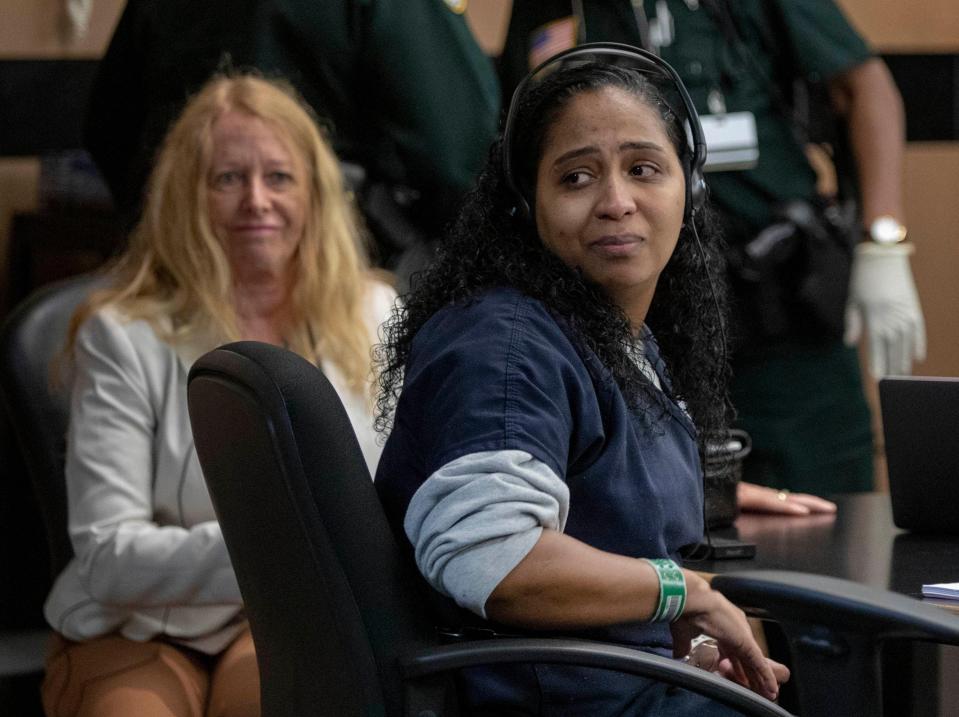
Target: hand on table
x=754, y=498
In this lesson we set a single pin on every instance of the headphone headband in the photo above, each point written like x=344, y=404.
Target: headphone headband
x=619, y=55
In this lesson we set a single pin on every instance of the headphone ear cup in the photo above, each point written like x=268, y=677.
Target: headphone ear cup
x=689, y=208
x=521, y=208
x=698, y=190
x=695, y=190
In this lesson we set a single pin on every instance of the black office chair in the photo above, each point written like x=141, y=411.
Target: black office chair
x=37, y=411
x=38, y=406
x=340, y=617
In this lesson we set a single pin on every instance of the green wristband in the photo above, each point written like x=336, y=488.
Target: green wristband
x=672, y=590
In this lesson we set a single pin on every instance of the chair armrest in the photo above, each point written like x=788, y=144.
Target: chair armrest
x=842, y=605
x=590, y=654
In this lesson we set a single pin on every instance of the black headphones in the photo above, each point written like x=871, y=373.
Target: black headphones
x=626, y=56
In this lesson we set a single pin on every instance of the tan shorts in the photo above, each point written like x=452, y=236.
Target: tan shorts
x=113, y=676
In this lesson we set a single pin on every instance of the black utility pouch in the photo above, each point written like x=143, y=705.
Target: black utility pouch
x=793, y=276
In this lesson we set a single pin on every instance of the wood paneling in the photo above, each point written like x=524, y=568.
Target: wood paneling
x=39, y=29
x=906, y=26
x=488, y=19
x=931, y=180
x=18, y=193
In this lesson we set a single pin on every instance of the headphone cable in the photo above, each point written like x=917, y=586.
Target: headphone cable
x=701, y=551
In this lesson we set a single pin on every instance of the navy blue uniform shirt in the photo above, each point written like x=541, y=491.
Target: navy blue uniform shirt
x=501, y=372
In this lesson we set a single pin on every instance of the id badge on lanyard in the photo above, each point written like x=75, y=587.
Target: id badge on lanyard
x=731, y=140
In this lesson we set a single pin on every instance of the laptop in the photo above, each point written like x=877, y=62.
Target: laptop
x=920, y=420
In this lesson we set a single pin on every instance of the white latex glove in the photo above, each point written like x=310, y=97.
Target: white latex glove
x=882, y=296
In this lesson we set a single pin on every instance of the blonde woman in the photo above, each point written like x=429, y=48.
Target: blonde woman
x=247, y=233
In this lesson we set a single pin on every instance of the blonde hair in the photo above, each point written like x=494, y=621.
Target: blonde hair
x=175, y=273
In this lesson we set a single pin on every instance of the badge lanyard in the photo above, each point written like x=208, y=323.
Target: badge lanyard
x=661, y=32
x=642, y=26
x=653, y=36
x=576, y=8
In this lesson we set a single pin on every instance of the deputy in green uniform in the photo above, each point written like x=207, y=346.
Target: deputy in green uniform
x=408, y=94
x=797, y=384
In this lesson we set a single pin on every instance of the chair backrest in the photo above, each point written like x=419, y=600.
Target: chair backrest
x=321, y=573
x=38, y=408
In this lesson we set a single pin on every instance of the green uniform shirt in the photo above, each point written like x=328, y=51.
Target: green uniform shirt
x=818, y=42
x=403, y=85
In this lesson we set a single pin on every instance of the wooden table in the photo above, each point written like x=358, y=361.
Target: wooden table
x=860, y=543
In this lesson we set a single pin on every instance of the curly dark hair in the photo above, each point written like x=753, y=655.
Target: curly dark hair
x=492, y=244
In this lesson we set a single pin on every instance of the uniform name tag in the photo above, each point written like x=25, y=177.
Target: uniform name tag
x=731, y=142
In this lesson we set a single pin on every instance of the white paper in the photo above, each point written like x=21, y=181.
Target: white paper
x=949, y=591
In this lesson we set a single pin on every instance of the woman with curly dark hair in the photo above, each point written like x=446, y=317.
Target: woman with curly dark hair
x=559, y=363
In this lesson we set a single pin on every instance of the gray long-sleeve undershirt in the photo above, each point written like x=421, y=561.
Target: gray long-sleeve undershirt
x=477, y=517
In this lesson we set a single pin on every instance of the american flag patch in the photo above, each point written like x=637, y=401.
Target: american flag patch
x=551, y=38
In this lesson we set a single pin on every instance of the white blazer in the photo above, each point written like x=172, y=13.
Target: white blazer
x=149, y=556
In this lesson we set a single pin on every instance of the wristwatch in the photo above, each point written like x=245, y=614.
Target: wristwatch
x=886, y=230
